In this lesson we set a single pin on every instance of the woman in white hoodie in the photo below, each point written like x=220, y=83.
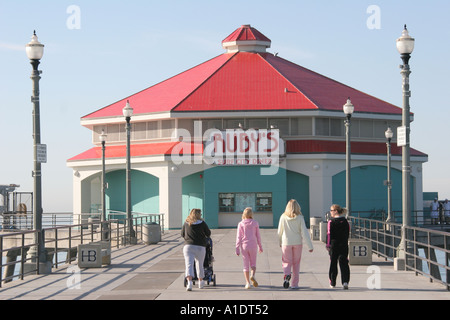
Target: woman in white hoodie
x=291, y=233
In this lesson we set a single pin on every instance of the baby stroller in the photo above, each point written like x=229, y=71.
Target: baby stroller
x=210, y=277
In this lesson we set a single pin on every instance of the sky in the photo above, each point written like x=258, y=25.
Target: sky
x=98, y=52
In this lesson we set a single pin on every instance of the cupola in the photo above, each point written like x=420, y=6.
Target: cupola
x=246, y=38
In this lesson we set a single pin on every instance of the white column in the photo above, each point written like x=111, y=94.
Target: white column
x=170, y=197
x=320, y=193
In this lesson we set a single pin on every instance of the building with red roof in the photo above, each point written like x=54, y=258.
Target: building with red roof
x=197, y=142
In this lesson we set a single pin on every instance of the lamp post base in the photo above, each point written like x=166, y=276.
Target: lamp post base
x=45, y=261
x=44, y=267
x=399, y=264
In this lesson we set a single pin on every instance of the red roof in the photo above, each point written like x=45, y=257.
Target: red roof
x=244, y=33
x=139, y=150
x=247, y=81
x=165, y=95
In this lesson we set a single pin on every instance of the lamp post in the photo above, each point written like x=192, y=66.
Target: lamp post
x=127, y=113
x=103, y=141
x=389, y=134
x=35, y=51
x=348, y=110
x=105, y=226
x=405, y=46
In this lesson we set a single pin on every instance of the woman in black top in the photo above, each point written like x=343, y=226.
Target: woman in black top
x=195, y=231
x=337, y=244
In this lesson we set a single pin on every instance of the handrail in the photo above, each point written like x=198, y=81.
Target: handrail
x=60, y=242
x=386, y=237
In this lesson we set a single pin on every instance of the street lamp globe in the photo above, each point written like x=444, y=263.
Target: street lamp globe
x=405, y=44
x=127, y=110
x=103, y=136
x=34, y=49
x=348, y=108
x=389, y=133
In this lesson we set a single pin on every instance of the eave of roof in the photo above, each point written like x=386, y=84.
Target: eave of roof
x=139, y=150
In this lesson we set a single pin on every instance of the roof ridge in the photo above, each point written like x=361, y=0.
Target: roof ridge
x=289, y=80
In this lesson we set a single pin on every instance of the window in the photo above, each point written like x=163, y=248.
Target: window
x=233, y=123
x=139, y=130
x=263, y=202
x=281, y=124
x=226, y=202
x=237, y=202
x=152, y=130
x=305, y=126
x=366, y=128
x=167, y=128
x=113, y=132
x=337, y=127
x=322, y=126
x=257, y=123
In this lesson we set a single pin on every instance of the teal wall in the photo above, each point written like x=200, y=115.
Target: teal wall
x=201, y=189
x=242, y=179
x=298, y=189
x=144, y=191
x=192, y=194
x=368, y=192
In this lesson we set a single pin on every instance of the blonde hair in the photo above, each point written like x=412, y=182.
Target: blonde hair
x=194, y=215
x=339, y=209
x=293, y=209
x=247, y=214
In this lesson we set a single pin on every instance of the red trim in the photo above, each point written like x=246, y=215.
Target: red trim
x=292, y=147
x=323, y=146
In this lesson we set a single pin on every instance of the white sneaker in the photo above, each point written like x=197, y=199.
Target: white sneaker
x=189, y=286
x=345, y=286
x=201, y=284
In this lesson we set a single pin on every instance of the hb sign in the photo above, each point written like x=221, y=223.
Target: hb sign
x=90, y=256
x=360, y=252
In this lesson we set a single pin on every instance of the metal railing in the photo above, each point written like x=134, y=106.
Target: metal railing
x=19, y=221
x=427, y=250
x=419, y=218
x=61, y=242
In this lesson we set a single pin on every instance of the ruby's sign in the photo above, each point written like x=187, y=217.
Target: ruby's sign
x=243, y=147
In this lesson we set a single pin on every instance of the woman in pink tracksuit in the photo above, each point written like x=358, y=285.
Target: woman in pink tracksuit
x=248, y=240
x=291, y=233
